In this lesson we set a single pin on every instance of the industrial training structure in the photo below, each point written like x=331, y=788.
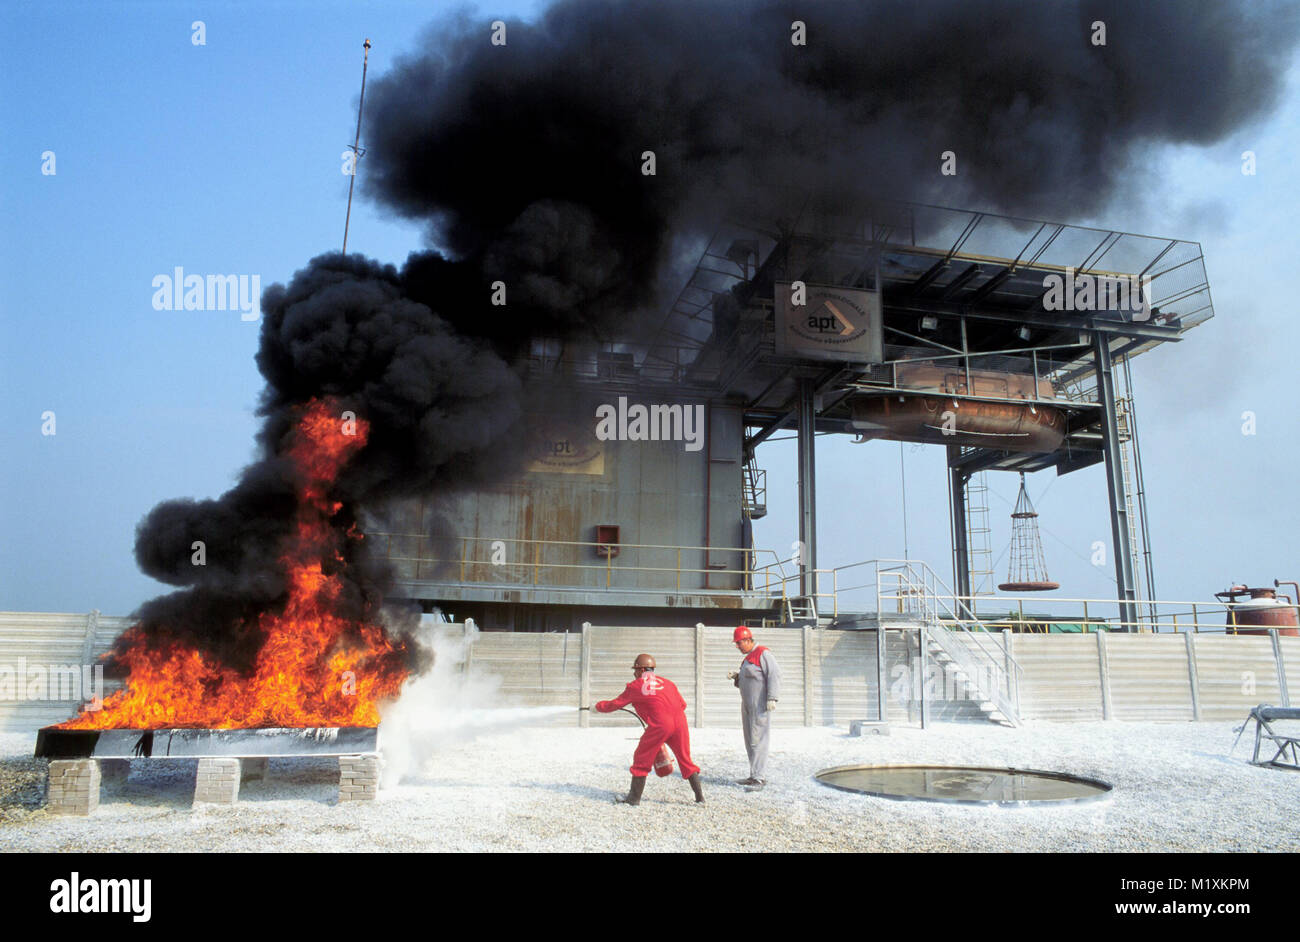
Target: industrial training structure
x=1005, y=341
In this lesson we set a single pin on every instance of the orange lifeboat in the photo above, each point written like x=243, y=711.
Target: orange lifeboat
x=943, y=420
x=975, y=408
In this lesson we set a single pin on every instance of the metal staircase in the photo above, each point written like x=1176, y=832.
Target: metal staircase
x=955, y=639
x=964, y=683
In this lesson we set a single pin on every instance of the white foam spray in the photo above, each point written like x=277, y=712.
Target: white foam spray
x=450, y=703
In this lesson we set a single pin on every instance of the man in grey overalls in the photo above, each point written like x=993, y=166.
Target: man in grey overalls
x=759, y=680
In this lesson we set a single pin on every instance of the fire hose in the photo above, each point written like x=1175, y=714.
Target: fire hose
x=664, y=760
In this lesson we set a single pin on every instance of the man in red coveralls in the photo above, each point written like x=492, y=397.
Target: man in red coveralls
x=658, y=702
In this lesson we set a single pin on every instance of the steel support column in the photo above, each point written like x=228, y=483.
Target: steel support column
x=1119, y=521
x=960, y=549
x=807, y=487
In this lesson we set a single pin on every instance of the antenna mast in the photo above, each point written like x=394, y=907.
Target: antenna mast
x=356, y=146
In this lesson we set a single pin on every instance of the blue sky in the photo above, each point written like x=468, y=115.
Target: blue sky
x=226, y=158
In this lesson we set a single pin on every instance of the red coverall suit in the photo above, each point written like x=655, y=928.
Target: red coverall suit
x=658, y=702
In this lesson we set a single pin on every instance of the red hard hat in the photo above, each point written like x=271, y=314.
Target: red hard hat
x=741, y=633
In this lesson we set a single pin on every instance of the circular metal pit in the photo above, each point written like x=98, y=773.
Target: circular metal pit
x=965, y=785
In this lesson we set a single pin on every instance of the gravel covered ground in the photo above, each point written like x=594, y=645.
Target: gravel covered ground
x=1176, y=789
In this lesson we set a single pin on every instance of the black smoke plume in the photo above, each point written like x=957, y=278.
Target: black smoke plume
x=525, y=161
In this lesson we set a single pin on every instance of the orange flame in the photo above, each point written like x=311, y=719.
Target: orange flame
x=314, y=668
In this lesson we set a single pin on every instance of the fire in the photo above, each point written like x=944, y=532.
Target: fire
x=314, y=668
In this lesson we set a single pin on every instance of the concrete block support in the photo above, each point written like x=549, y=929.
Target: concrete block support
x=113, y=772
x=358, y=778
x=217, y=782
x=252, y=770
x=73, y=786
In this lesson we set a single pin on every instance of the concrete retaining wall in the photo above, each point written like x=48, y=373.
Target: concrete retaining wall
x=36, y=645
x=830, y=677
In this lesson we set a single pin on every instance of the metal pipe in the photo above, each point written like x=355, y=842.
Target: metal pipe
x=708, y=487
x=1139, y=482
x=807, y=456
x=921, y=665
x=960, y=548
x=965, y=358
x=902, y=477
x=881, y=651
x=1120, y=524
x=356, y=145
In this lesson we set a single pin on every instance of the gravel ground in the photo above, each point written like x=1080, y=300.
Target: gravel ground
x=548, y=789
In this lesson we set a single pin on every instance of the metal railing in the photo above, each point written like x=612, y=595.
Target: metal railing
x=579, y=565
x=1033, y=614
x=1090, y=615
x=890, y=585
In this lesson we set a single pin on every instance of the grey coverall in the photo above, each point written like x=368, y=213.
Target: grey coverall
x=758, y=684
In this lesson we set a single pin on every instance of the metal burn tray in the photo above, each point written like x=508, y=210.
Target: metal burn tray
x=54, y=743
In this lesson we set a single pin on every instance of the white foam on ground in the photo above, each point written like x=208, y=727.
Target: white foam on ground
x=538, y=789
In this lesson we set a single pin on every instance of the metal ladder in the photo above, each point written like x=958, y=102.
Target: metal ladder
x=753, y=485
x=979, y=550
x=799, y=609
x=1123, y=410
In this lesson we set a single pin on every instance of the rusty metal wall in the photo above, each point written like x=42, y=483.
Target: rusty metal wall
x=655, y=492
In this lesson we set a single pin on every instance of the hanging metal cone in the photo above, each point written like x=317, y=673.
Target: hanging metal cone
x=1027, y=570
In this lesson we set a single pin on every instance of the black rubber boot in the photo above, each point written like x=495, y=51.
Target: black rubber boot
x=695, y=787
x=633, y=796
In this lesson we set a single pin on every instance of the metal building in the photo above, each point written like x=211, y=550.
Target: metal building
x=1006, y=341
